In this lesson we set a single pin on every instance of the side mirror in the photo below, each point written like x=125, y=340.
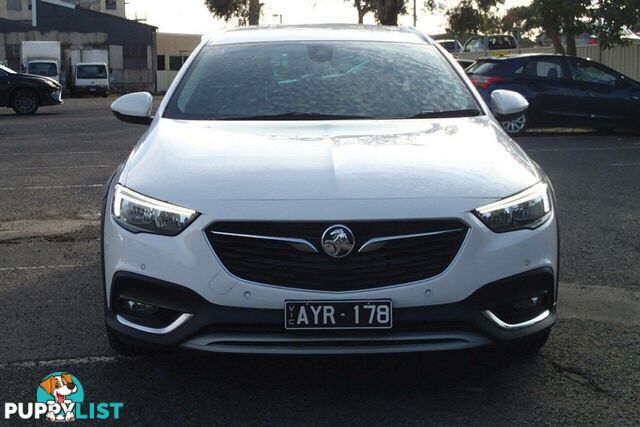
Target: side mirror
x=134, y=108
x=508, y=102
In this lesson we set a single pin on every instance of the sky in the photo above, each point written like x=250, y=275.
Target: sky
x=192, y=16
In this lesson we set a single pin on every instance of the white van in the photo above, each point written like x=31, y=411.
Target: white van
x=90, y=78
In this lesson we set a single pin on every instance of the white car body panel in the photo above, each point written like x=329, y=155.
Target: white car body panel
x=179, y=161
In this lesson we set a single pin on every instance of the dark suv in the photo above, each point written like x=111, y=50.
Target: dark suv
x=25, y=93
x=563, y=91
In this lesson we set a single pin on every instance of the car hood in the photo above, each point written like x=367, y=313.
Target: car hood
x=193, y=162
x=36, y=78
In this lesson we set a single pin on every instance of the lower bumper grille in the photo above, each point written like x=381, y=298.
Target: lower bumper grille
x=410, y=251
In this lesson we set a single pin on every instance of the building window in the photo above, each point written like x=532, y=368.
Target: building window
x=14, y=4
x=111, y=4
x=29, y=6
x=134, y=56
x=162, y=63
x=175, y=63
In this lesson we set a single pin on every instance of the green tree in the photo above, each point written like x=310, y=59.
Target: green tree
x=569, y=18
x=387, y=11
x=474, y=16
x=609, y=16
x=363, y=7
x=519, y=19
x=247, y=11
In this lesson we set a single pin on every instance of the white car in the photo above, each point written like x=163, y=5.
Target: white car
x=326, y=189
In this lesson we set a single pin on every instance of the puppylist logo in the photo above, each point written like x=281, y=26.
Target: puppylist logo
x=60, y=398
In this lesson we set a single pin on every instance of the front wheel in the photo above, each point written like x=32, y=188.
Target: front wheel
x=516, y=125
x=25, y=102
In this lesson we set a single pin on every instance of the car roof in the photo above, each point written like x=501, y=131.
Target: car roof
x=324, y=32
x=525, y=55
x=492, y=35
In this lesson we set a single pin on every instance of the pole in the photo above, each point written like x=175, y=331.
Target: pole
x=34, y=13
x=415, y=12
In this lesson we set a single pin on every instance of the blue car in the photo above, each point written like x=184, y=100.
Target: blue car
x=563, y=91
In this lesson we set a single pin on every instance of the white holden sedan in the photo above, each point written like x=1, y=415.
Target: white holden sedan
x=327, y=189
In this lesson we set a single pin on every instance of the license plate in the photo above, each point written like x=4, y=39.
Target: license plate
x=376, y=314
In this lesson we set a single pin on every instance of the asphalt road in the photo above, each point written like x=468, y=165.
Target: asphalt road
x=52, y=167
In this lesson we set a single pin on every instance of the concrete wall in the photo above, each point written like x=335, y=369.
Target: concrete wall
x=23, y=15
x=101, y=6
x=169, y=44
x=3, y=53
x=625, y=59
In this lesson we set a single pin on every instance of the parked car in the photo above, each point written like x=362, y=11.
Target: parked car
x=90, y=78
x=493, y=44
x=586, y=39
x=450, y=45
x=326, y=189
x=25, y=93
x=582, y=39
x=562, y=91
x=465, y=63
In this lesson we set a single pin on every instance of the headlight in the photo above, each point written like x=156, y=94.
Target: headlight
x=528, y=209
x=139, y=213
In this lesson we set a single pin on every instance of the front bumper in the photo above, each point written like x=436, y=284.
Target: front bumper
x=53, y=98
x=192, y=322
x=91, y=90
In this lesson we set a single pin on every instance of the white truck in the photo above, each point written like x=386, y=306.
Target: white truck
x=91, y=75
x=42, y=58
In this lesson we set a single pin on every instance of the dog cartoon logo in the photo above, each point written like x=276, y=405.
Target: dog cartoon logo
x=61, y=392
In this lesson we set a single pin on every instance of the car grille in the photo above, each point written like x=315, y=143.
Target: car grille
x=426, y=249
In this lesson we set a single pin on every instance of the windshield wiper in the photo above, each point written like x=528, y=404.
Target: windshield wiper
x=470, y=112
x=295, y=115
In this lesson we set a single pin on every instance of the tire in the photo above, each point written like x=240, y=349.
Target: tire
x=25, y=102
x=124, y=347
x=516, y=125
x=528, y=345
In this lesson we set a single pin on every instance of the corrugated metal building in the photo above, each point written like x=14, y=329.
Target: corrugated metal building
x=131, y=44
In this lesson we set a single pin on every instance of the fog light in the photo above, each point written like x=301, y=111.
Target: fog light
x=529, y=303
x=136, y=307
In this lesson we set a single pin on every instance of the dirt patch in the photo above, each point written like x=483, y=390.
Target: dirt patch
x=24, y=229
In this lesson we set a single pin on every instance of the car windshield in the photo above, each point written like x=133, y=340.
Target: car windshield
x=501, y=42
x=321, y=80
x=481, y=67
x=448, y=45
x=92, y=72
x=7, y=70
x=48, y=69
